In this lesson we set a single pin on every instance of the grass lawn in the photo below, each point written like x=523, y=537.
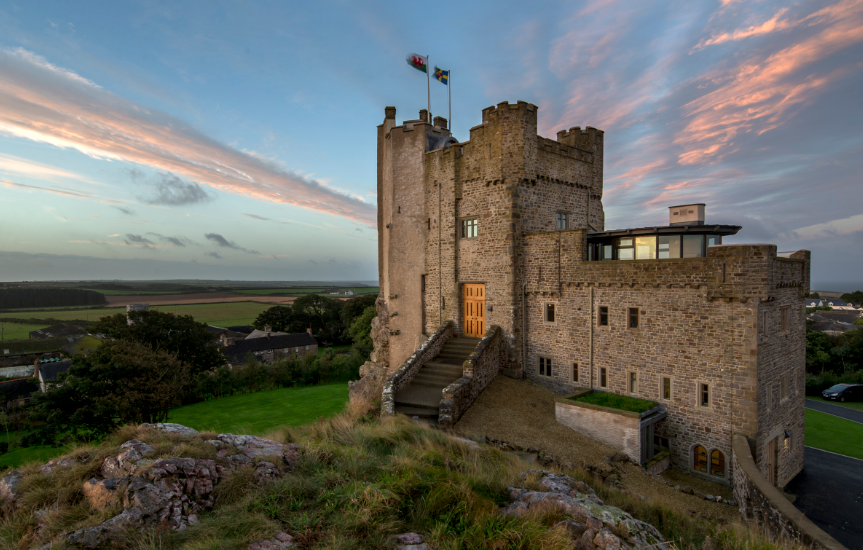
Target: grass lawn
x=220, y=314
x=834, y=434
x=615, y=401
x=856, y=405
x=337, y=349
x=23, y=455
x=15, y=331
x=262, y=412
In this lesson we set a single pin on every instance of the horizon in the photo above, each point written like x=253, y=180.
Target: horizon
x=177, y=142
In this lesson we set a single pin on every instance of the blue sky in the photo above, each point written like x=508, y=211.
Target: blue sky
x=237, y=140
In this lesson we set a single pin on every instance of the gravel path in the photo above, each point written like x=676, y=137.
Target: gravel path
x=522, y=413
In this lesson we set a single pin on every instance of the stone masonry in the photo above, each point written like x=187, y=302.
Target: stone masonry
x=732, y=319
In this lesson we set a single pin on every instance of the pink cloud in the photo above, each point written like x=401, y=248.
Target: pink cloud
x=45, y=103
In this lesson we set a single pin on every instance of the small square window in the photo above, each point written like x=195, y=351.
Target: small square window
x=665, y=388
x=575, y=372
x=470, y=228
x=545, y=366
x=549, y=313
x=703, y=395
x=562, y=221
x=633, y=317
x=603, y=316
x=307, y=348
x=632, y=382
x=603, y=377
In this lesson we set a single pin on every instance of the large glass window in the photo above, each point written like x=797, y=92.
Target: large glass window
x=645, y=248
x=669, y=247
x=692, y=245
x=625, y=248
x=470, y=228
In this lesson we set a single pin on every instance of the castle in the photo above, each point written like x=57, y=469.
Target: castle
x=502, y=238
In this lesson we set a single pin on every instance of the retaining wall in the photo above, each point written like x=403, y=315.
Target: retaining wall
x=479, y=370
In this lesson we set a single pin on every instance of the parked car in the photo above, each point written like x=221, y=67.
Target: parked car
x=844, y=392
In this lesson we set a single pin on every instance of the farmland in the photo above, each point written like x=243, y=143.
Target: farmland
x=134, y=292
x=16, y=331
x=219, y=314
x=298, y=291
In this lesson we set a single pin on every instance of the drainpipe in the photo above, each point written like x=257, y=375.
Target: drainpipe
x=590, y=349
x=439, y=268
x=523, y=333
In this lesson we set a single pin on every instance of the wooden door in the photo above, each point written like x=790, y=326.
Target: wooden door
x=770, y=461
x=474, y=310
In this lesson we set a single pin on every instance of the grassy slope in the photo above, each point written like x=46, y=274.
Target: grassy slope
x=261, y=412
x=856, y=405
x=14, y=331
x=220, y=314
x=834, y=434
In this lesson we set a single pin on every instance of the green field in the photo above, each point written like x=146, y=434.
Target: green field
x=834, y=434
x=134, y=292
x=220, y=314
x=262, y=412
x=856, y=405
x=15, y=331
x=305, y=290
x=23, y=455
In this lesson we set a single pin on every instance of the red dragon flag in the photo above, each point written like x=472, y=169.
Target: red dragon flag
x=418, y=62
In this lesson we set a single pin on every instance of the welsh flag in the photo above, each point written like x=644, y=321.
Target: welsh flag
x=418, y=62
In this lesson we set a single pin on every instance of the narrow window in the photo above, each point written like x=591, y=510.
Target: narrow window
x=470, y=228
x=307, y=348
x=785, y=387
x=429, y=223
x=633, y=317
x=703, y=395
x=785, y=313
x=633, y=382
x=549, y=313
x=575, y=372
x=699, y=459
x=665, y=390
x=769, y=397
x=545, y=366
x=603, y=316
x=603, y=377
x=717, y=464
x=562, y=221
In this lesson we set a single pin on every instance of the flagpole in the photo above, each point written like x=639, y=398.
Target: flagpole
x=449, y=98
x=428, y=87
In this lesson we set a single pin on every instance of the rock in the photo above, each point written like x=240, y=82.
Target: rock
x=710, y=497
x=55, y=463
x=171, y=428
x=688, y=490
x=95, y=537
x=574, y=528
x=266, y=472
x=124, y=464
x=102, y=494
x=370, y=386
x=599, y=525
x=256, y=447
x=408, y=541
x=618, y=457
x=472, y=445
x=281, y=540
x=8, y=486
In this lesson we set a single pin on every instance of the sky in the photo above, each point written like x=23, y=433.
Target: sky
x=237, y=140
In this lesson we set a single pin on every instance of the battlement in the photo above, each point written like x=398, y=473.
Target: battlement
x=490, y=113
x=582, y=139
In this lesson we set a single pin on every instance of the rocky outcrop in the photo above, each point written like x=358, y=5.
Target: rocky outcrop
x=373, y=373
x=171, y=492
x=408, y=541
x=282, y=540
x=591, y=523
x=170, y=428
x=8, y=487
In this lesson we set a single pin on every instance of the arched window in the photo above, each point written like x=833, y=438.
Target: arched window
x=699, y=459
x=717, y=463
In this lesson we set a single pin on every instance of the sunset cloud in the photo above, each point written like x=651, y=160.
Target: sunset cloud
x=46, y=103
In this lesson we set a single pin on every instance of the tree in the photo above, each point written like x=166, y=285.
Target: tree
x=321, y=314
x=360, y=330
x=855, y=297
x=120, y=382
x=280, y=319
x=814, y=295
x=354, y=307
x=179, y=335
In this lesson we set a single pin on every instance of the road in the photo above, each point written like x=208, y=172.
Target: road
x=829, y=491
x=835, y=410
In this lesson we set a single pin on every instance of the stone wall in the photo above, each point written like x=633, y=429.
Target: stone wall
x=402, y=377
x=618, y=429
x=764, y=505
x=480, y=368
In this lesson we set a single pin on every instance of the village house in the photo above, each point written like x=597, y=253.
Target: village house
x=58, y=331
x=494, y=259
x=269, y=347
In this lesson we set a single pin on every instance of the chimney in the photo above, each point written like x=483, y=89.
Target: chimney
x=267, y=330
x=309, y=330
x=440, y=122
x=424, y=115
x=686, y=214
x=389, y=112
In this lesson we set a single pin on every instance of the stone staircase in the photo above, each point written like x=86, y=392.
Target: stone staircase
x=422, y=397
